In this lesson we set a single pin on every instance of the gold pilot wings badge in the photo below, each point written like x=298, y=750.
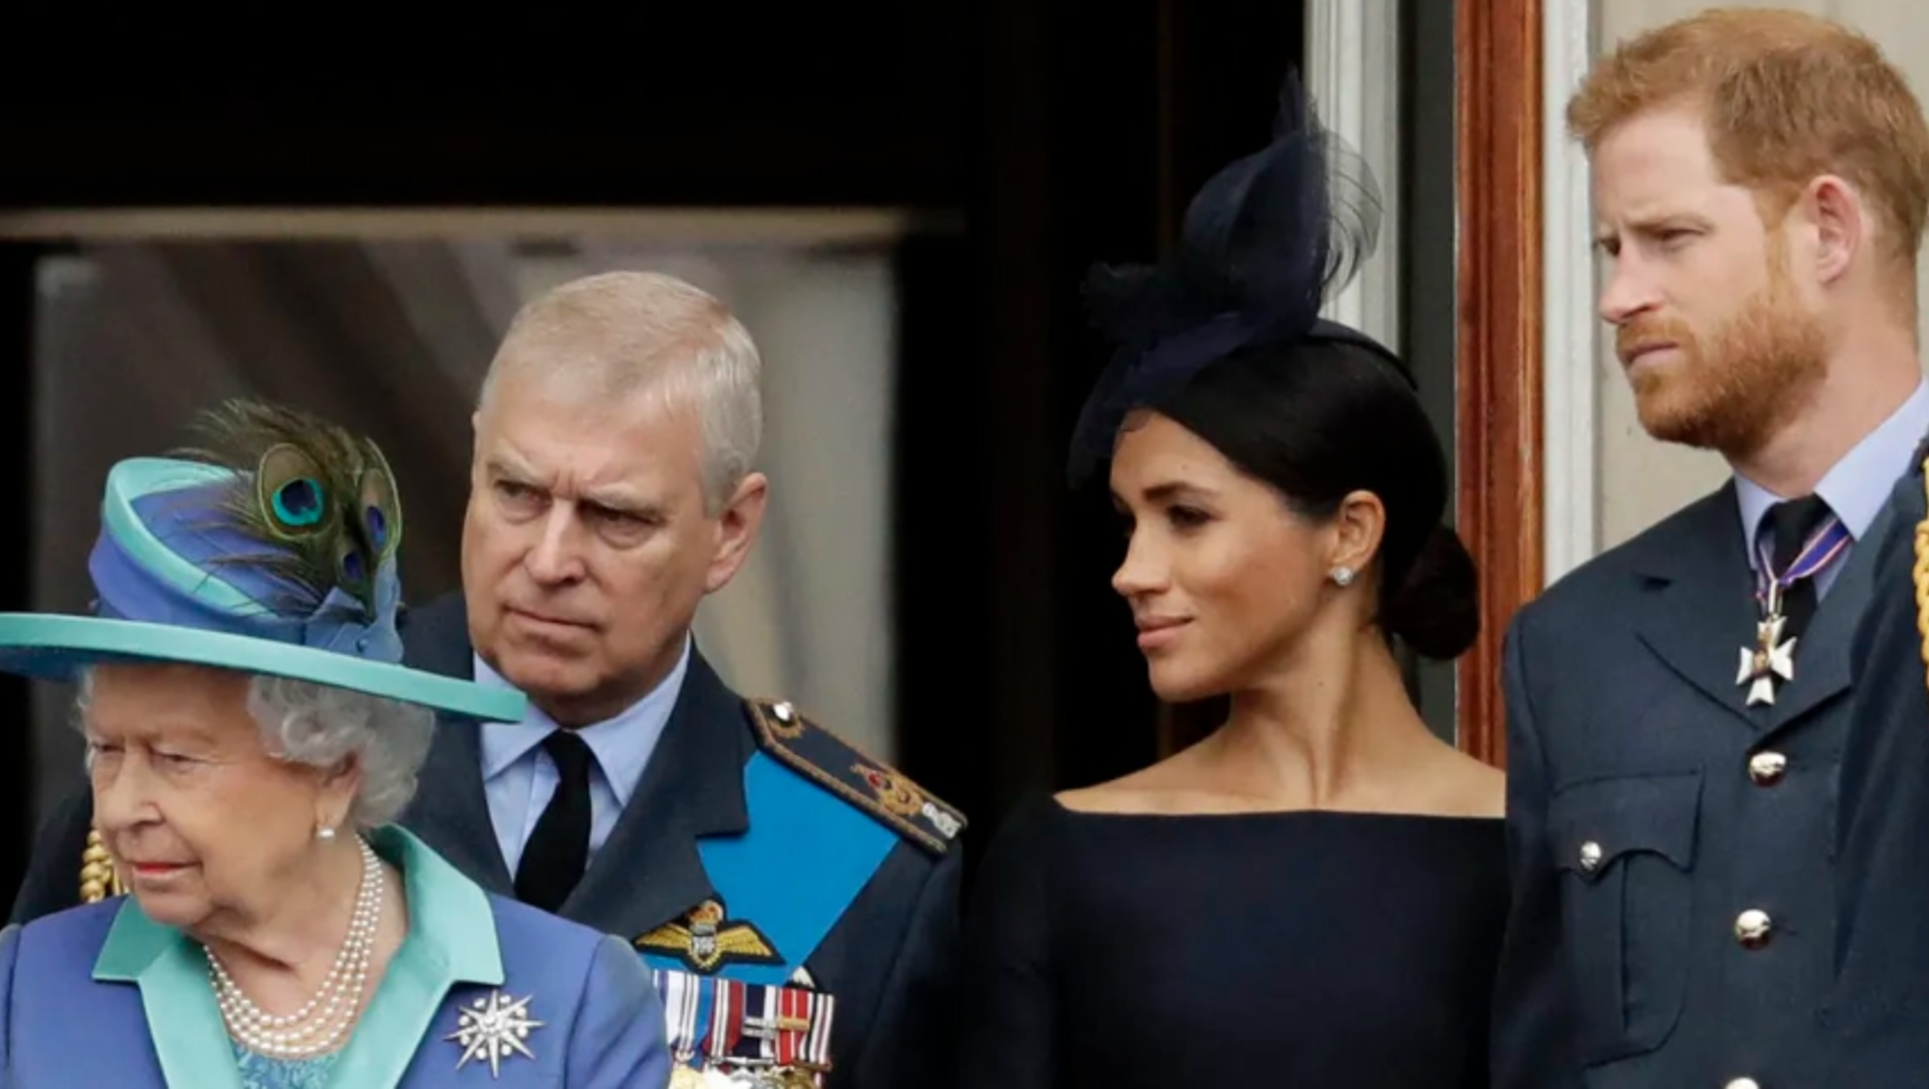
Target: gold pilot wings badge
x=706, y=939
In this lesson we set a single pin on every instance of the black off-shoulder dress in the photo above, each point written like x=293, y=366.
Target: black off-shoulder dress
x=1296, y=949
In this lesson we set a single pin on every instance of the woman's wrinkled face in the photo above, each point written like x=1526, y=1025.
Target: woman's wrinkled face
x=1221, y=574
x=204, y=822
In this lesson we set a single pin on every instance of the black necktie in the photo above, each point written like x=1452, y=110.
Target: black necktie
x=1789, y=526
x=558, y=850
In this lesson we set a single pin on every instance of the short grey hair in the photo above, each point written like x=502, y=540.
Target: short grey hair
x=616, y=334
x=318, y=725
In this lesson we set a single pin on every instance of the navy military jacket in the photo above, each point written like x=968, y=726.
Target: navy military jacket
x=1670, y=845
x=1876, y=1019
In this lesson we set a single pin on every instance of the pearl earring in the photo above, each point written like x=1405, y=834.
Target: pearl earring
x=1343, y=575
x=324, y=833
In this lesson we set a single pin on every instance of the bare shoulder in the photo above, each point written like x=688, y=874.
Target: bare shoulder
x=1168, y=787
x=1126, y=795
x=1473, y=788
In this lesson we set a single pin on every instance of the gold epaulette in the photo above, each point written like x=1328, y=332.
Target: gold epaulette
x=847, y=771
x=99, y=877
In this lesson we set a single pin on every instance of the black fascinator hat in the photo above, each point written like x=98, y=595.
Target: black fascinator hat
x=1264, y=243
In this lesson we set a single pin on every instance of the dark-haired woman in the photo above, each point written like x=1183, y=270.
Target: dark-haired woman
x=1313, y=895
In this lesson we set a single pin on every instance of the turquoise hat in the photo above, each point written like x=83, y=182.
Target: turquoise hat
x=272, y=552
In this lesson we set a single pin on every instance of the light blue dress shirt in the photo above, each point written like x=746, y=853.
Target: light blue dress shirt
x=519, y=778
x=1855, y=488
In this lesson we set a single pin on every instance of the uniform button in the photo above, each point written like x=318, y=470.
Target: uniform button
x=1743, y=1083
x=1751, y=928
x=1767, y=768
x=1590, y=856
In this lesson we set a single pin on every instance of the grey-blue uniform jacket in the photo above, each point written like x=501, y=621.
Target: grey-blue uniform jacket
x=1673, y=916
x=1876, y=1020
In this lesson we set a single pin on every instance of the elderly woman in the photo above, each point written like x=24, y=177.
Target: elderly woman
x=250, y=735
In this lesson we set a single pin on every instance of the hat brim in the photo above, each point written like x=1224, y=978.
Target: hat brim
x=57, y=648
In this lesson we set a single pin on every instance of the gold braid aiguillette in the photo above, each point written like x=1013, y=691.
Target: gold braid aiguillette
x=99, y=878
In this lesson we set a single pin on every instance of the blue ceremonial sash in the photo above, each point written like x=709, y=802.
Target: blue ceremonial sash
x=805, y=857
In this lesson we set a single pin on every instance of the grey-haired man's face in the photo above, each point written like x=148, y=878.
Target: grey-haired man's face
x=587, y=547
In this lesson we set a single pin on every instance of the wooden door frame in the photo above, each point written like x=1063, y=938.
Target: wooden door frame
x=1499, y=428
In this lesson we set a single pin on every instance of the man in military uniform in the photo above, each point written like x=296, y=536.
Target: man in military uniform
x=1676, y=707
x=797, y=898
x=1877, y=1016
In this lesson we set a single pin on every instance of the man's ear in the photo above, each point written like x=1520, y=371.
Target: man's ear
x=1835, y=213
x=737, y=528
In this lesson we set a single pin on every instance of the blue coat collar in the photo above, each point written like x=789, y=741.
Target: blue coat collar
x=451, y=940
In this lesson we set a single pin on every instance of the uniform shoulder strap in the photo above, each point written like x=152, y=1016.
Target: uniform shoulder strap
x=846, y=771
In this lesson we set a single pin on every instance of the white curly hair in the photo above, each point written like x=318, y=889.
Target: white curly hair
x=320, y=726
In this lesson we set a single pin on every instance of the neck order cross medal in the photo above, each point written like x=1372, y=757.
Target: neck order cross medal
x=1772, y=656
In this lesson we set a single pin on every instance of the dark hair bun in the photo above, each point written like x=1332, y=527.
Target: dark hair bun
x=1436, y=610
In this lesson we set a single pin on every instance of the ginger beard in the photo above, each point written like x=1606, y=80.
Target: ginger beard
x=1732, y=391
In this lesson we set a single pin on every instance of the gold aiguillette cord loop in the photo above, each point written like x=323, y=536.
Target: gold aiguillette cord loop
x=1921, y=574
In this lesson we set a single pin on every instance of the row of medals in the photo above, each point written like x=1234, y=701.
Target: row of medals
x=748, y=1077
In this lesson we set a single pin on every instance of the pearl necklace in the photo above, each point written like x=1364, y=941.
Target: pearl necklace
x=333, y=1007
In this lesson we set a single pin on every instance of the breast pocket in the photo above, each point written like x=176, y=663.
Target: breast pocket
x=1626, y=852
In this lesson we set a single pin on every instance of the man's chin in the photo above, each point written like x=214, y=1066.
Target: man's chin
x=537, y=672
x=1666, y=419
x=1677, y=433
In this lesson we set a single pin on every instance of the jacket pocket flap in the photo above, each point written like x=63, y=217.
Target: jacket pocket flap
x=1597, y=822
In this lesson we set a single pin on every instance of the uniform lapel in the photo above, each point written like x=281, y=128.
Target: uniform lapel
x=649, y=871
x=450, y=811
x=1697, y=609
x=1822, y=667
